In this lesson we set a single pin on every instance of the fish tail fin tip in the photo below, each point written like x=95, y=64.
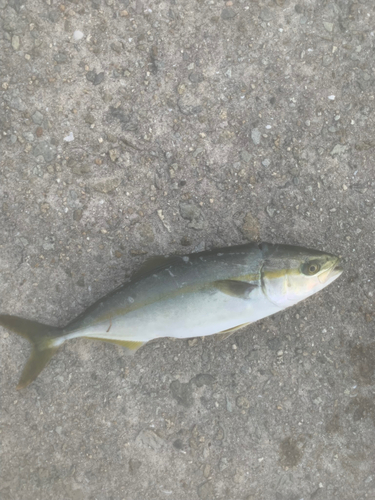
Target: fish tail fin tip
x=43, y=339
x=34, y=365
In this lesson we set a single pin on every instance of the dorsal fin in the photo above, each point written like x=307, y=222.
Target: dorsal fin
x=154, y=264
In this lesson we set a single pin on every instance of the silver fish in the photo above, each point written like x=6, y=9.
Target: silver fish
x=188, y=296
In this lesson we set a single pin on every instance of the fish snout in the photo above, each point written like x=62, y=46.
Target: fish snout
x=332, y=273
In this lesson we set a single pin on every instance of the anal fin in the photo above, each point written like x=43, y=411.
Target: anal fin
x=129, y=344
x=227, y=333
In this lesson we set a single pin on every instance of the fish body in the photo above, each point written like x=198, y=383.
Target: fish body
x=189, y=296
x=182, y=298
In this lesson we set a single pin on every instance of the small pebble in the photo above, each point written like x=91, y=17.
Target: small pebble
x=99, y=78
x=265, y=14
x=37, y=117
x=245, y=156
x=270, y=211
x=29, y=136
x=227, y=14
x=255, y=136
x=327, y=60
x=69, y=138
x=15, y=42
x=328, y=26
x=78, y=35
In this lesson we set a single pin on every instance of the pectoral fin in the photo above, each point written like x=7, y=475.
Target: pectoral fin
x=239, y=289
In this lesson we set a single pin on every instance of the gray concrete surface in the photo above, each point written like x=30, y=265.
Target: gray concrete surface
x=130, y=129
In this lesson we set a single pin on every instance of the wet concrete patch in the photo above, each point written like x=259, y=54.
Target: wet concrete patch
x=361, y=408
x=362, y=358
x=291, y=451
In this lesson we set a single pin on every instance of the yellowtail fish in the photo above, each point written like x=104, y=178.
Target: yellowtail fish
x=188, y=296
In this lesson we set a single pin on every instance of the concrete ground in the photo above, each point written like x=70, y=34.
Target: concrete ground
x=132, y=129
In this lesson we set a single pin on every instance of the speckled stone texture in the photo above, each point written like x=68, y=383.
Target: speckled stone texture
x=133, y=129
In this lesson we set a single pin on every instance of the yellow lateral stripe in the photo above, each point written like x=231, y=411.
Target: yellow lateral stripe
x=280, y=273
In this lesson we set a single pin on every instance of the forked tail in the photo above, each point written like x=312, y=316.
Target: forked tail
x=44, y=340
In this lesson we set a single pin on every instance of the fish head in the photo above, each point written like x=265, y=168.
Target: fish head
x=290, y=273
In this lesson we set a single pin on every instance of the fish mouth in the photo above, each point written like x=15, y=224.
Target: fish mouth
x=332, y=273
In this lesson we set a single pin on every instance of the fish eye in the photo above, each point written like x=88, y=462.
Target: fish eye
x=311, y=268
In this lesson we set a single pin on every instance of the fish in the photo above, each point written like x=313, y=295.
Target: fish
x=184, y=296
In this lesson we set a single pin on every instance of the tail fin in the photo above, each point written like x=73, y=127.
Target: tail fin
x=44, y=342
